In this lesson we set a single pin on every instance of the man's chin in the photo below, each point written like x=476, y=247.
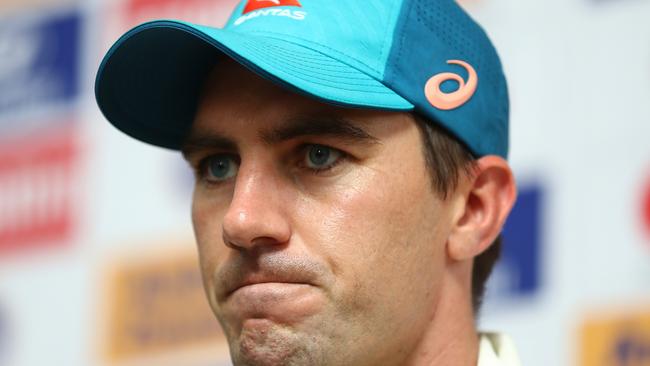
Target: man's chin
x=264, y=342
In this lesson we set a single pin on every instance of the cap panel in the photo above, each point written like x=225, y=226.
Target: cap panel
x=435, y=40
x=306, y=70
x=358, y=30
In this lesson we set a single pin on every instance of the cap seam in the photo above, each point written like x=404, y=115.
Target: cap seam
x=402, y=35
x=384, y=47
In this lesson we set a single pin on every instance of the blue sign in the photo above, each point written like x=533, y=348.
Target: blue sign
x=518, y=272
x=40, y=61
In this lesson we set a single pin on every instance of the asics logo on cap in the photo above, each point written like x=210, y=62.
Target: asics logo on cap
x=253, y=5
x=453, y=100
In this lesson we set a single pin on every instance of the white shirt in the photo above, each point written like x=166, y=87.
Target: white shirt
x=497, y=350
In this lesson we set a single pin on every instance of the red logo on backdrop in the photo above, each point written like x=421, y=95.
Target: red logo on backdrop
x=260, y=4
x=214, y=13
x=646, y=207
x=36, y=179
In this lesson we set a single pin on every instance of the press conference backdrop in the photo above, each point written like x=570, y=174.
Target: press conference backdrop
x=97, y=260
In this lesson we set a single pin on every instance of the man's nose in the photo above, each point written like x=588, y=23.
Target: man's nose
x=256, y=216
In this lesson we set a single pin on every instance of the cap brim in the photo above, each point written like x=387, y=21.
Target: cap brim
x=149, y=82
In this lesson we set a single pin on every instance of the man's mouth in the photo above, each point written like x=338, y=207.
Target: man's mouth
x=274, y=274
x=265, y=285
x=281, y=302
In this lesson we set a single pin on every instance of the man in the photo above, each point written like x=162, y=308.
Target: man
x=350, y=173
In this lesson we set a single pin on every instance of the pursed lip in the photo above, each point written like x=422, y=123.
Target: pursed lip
x=260, y=278
x=280, y=268
x=281, y=300
x=251, y=282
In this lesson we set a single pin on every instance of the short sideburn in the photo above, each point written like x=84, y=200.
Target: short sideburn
x=446, y=159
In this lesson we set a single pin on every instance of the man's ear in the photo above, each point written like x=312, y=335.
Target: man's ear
x=484, y=202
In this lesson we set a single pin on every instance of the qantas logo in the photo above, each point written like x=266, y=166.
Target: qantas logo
x=264, y=8
x=260, y=4
x=453, y=100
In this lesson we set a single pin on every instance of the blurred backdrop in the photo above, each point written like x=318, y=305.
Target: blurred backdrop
x=97, y=258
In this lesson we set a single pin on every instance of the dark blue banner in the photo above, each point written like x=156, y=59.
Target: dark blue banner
x=518, y=272
x=39, y=61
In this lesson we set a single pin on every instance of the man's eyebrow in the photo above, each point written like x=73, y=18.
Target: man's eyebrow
x=204, y=141
x=293, y=128
x=318, y=126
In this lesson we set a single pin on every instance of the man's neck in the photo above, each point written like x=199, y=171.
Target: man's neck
x=451, y=337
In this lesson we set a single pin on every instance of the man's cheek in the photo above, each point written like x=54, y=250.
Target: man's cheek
x=207, y=224
x=374, y=208
x=356, y=228
x=203, y=226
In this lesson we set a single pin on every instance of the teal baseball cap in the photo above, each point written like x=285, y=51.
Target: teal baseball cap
x=425, y=56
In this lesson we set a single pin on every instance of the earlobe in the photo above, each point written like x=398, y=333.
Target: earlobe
x=484, y=204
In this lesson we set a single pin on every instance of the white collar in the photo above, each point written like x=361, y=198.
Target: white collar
x=497, y=350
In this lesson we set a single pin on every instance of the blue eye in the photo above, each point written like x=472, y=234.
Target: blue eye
x=321, y=157
x=220, y=167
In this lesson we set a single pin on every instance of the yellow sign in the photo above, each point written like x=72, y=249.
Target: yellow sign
x=157, y=306
x=621, y=339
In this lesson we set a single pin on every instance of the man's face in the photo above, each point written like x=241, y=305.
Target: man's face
x=320, y=237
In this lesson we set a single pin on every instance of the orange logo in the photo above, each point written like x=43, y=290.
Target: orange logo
x=260, y=4
x=618, y=338
x=448, y=101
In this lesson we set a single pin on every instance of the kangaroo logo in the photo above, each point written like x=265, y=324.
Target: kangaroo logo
x=260, y=4
x=453, y=100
